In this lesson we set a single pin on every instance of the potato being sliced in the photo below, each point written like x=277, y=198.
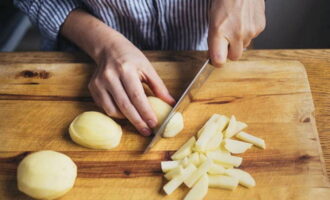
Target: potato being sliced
x=243, y=177
x=199, y=190
x=169, y=165
x=184, y=150
x=216, y=169
x=173, y=184
x=174, y=126
x=174, y=173
x=234, y=127
x=251, y=139
x=235, y=146
x=221, y=181
x=191, y=180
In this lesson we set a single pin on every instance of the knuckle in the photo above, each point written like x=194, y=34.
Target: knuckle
x=124, y=105
x=136, y=95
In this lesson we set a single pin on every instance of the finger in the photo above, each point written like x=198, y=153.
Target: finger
x=247, y=43
x=235, y=49
x=218, y=50
x=157, y=85
x=105, y=101
x=135, y=91
x=116, y=89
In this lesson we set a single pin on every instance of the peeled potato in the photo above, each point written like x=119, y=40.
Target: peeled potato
x=46, y=175
x=95, y=130
x=162, y=109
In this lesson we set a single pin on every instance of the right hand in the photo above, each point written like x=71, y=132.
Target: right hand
x=116, y=85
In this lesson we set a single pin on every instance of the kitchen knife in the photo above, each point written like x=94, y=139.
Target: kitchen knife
x=184, y=100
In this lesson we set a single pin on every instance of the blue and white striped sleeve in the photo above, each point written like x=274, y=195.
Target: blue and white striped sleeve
x=48, y=15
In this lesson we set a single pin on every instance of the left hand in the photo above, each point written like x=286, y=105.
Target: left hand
x=233, y=24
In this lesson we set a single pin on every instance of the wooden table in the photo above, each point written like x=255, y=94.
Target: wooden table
x=317, y=63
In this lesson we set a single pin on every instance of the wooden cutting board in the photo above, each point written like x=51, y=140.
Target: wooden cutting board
x=38, y=102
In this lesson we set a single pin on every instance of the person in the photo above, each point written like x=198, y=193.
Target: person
x=113, y=33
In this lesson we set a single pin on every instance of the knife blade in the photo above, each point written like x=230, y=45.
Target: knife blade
x=185, y=99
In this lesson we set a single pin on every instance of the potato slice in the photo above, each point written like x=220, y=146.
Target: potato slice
x=46, y=174
x=234, y=127
x=243, y=177
x=193, y=178
x=214, y=142
x=173, y=184
x=209, y=131
x=213, y=119
x=234, y=146
x=225, y=159
x=251, y=139
x=95, y=130
x=169, y=165
x=199, y=190
x=174, y=126
x=194, y=158
x=216, y=169
x=184, y=150
x=224, y=182
x=174, y=173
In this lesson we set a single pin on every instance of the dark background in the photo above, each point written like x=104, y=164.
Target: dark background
x=291, y=24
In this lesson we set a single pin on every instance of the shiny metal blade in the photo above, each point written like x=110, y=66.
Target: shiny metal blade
x=185, y=99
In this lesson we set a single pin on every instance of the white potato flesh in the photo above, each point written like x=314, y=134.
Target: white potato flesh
x=169, y=165
x=199, y=190
x=46, y=174
x=234, y=127
x=174, y=173
x=227, y=159
x=209, y=131
x=174, y=126
x=194, y=158
x=173, y=184
x=214, y=142
x=234, y=146
x=184, y=150
x=202, y=158
x=212, y=119
x=222, y=181
x=202, y=169
x=243, y=177
x=185, y=162
x=251, y=139
x=95, y=130
x=216, y=169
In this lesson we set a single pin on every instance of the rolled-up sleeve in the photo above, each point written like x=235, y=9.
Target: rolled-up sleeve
x=48, y=15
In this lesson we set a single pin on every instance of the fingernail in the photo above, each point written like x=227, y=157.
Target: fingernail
x=146, y=131
x=151, y=123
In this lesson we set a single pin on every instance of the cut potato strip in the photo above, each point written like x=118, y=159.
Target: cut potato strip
x=199, y=190
x=234, y=146
x=191, y=180
x=228, y=160
x=216, y=169
x=213, y=119
x=185, y=162
x=202, y=158
x=194, y=159
x=234, y=127
x=243, y=177
x=251, y=139
x=185, y=150
x=169, y=165
x=174, y=173
x=224, y=182
x=173, y=184
x=214, y=142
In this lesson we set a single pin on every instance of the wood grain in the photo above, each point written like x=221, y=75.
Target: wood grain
x=36, y=108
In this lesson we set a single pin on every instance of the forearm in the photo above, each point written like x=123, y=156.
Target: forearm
x=88, y=32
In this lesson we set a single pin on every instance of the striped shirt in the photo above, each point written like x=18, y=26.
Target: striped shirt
x=149, y=24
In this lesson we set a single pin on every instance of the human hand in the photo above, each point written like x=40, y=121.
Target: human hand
x=116, y=85
x=233, y=24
